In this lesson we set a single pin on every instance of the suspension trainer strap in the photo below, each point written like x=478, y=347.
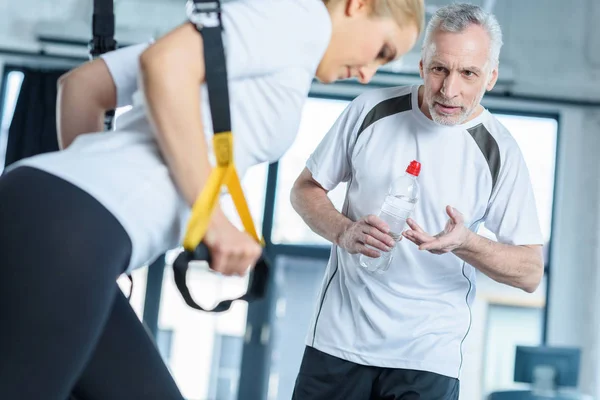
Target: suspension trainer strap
x=103, y=40
x=205, y=15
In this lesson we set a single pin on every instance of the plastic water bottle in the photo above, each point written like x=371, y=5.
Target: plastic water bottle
x=397, y=207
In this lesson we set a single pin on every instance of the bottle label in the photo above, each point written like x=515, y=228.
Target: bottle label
x=395, y=211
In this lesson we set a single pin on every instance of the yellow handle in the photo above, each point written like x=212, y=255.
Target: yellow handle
x=237, y=194
x=223, y=174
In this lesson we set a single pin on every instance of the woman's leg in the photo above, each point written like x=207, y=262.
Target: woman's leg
x=125, y=364
x=60, y=254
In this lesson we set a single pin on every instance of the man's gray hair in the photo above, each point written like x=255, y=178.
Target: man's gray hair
x=458, y=17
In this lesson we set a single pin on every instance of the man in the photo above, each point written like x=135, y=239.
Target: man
x=399, y=335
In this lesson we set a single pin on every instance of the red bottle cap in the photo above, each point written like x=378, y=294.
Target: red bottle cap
x=414, y=168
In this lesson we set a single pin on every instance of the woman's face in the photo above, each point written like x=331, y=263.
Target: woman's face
x=361, y=43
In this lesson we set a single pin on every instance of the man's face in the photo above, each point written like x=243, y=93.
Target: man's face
x=457, y=72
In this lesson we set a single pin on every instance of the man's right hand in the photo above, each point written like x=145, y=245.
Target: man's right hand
x=370, y=230
x=232, y=251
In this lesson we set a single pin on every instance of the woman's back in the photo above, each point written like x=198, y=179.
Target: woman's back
x=270, y=73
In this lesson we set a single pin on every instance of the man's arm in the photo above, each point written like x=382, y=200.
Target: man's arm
x=311, y=202
x=84, y=95
x=517, y=266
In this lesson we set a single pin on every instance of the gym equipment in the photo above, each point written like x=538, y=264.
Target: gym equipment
x=205, y=15
x=103, y=40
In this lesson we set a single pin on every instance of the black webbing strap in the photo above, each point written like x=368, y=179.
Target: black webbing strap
x=257, y=285
x=103, y=40
x=103, y=28
x=205, y=15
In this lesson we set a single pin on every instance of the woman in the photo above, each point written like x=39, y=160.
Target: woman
x=72, y=221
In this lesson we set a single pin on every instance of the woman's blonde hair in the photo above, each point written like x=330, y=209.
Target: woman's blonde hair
x=403, y=11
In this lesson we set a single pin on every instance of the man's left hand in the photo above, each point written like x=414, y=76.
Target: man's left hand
x=454, y=236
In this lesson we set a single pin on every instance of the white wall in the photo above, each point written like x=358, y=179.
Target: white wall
x=551, y=46
x=574, y=292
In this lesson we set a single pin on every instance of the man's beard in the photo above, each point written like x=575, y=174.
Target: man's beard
x=454, y=119
x=448, y=120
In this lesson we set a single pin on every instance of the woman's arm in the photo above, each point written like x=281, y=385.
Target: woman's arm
x=84, y=95
x=172, y=71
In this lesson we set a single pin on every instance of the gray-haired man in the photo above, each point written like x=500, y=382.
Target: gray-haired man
x=399, y=335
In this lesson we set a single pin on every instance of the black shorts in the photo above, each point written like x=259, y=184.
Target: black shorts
x=324, y=377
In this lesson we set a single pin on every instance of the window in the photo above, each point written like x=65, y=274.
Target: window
x=8, y=101
x=225, y=372
x=298, y=284
x=318, y=116
x=504, y=317
x=164, y=342
x=194, y=333
x=536, y=137
x=506, y=328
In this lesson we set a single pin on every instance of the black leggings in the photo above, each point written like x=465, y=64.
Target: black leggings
x=65, y=327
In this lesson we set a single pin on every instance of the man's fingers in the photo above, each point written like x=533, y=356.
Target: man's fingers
x=367, y=251
x=430, y=246
x=410, y=235
x=437, y=244
x=414, y=226
x=455, y=215
x=421, y=237
x=373, y=242
x=414, y=240
x=379, y=236
x=378, y=223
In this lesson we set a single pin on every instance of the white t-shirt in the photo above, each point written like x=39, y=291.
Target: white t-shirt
x=417, y=314
x=273, y=48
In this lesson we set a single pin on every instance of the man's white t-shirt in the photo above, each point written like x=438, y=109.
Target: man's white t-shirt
x=417, y=314
x=273, y=48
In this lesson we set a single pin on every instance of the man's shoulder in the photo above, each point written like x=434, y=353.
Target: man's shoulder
x=384, y=100
x=500, y=133
x=373, y=97
x=508, y=148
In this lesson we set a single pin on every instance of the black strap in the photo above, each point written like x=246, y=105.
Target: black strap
x=206, y=17
x=103, y=28
x=103, y=40
x=256, y=287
